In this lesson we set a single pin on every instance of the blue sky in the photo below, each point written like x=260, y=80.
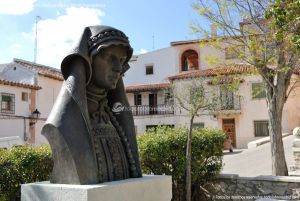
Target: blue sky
x=62, y=22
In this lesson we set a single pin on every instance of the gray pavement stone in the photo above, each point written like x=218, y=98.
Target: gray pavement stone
x=256, y=161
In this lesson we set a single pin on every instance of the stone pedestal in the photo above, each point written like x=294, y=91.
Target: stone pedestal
x=147, y=188
x=294, y=170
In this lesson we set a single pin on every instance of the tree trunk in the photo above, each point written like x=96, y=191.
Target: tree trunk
x=188, y=162
x=275, y=107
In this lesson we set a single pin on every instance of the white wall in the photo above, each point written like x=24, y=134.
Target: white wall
x=291, y=110
x=163, y=61
x=15, y=126
x=145, y=97
x=168, y=61
x=44, y=102
x=142, y=121
x=251, y=110
x=180, y=49
x=18, y=73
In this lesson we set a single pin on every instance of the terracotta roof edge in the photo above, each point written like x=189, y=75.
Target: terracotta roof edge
x=19, y=84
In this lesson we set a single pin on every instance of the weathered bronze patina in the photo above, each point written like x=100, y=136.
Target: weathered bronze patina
x=90, y=143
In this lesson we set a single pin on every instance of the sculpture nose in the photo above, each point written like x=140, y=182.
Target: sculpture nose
x=116, y=67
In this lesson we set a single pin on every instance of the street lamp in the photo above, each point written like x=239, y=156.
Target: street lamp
x=34, y=117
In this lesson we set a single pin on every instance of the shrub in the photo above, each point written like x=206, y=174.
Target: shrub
x=23, y=164
x=162, y=151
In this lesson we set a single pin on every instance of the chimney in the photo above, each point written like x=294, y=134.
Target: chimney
x=213, y=30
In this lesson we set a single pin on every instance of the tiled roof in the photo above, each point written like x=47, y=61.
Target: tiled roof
x=147, y=87
x=42, y=69
x=19, y=84
x=224, y=70
x=185, y=42
x=224, y=80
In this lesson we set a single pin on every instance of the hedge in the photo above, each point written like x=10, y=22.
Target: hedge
x=23, y=164
x=162, y=151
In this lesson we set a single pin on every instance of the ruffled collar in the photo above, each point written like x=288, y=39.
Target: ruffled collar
x=96, y=98
x=100, y=115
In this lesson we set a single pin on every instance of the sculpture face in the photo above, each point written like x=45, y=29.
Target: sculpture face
x=107, y=66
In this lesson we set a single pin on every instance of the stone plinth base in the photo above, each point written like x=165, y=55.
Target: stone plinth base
x=147, y=188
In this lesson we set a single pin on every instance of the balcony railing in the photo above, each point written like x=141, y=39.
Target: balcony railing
x=142, y=110
x=230, y=104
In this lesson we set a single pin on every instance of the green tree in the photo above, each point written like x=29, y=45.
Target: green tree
x=269, y=31
x=162, y=151
x=195, y=99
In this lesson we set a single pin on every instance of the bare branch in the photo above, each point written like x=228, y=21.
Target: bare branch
x=293, y=87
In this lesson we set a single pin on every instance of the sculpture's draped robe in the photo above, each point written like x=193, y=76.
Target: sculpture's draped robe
x=111, y=157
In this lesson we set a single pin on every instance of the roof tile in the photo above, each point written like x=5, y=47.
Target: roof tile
x=223, y=70
x=147, y=87
x=19, y=84
x=42, y=69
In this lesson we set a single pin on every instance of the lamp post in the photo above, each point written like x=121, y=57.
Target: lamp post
x=34, y=117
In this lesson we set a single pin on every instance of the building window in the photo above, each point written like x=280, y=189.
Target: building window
x=261, y=128
x=24, y=96
x=196, y=93
x=235, y=52
x=7, y=103
x=258, y=90
x=189, y=60
x=154, y=127
x=227, y=99
x=137, y=99
x=151, y=127
x=149, y=70
x=153, y=104
x=198, y=125
x=169, y=100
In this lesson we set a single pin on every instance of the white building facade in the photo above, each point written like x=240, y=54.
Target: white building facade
x=26, y=88
x=153, y=76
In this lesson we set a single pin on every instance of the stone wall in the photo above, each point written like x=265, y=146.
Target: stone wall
x=232, y=187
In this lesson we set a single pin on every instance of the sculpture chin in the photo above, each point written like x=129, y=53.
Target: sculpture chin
x=113, y=84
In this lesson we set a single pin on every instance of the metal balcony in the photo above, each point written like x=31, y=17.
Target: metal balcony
x=230, y=104
x=142, y=110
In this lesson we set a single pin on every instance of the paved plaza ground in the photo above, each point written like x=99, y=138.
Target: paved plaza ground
x=255, y=161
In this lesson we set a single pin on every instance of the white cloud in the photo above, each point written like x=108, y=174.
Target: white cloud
x=16, y=48
x=16, y=7
x=26, y=35
x=142, y=51
x=56, y=36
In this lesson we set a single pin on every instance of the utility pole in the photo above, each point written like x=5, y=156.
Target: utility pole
x=37, y=18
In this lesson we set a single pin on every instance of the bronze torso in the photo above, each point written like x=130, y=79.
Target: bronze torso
x=110, y=155
x=89, y=143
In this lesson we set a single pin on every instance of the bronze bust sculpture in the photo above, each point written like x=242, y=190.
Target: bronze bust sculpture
x=90, y=144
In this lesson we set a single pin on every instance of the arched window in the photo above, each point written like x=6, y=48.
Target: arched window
x=189, y=60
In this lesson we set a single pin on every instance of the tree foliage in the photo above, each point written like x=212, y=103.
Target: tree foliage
x=269, y=31
x=20, y=165
x=194, y=98
x=162, y=151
